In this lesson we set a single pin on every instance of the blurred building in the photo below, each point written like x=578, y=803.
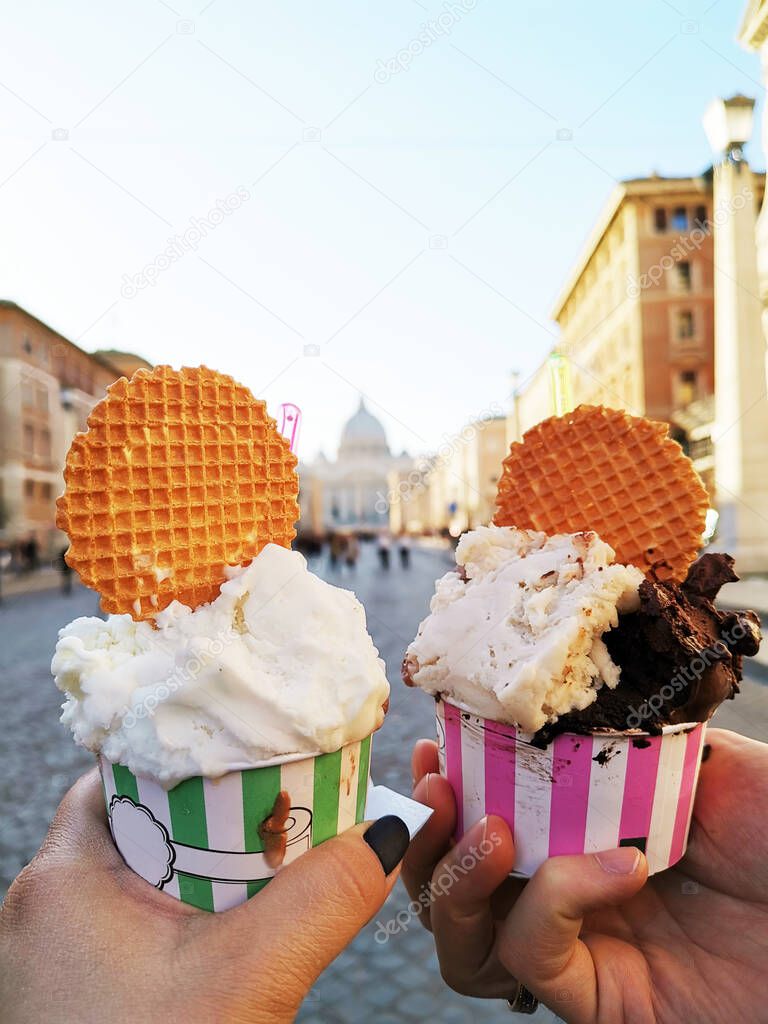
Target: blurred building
x=49, y=386
x=741, y=392
x=636, y=314
x=352, y=491
x=454, y=489
x=753, y=35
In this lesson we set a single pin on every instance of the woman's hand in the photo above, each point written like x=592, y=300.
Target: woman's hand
x=587, y=934
x=82, y=938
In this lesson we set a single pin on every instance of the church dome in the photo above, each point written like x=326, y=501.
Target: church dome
x=363, y=434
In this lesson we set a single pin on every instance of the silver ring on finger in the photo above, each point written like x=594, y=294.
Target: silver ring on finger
x=523, y=1001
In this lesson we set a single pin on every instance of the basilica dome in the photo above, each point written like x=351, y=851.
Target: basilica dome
x=363, y=435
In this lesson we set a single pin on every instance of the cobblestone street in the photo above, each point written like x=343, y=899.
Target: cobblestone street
x=393, y=982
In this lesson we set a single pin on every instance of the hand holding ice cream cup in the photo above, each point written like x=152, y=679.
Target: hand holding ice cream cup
x=230, y=695
x=577, y=655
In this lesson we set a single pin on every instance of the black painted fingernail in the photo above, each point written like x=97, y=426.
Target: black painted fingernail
x=706, y=752
x=388, y=838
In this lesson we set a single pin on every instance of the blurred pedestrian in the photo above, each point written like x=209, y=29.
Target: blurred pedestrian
x=383, y=545
x=34, y=553
x=66, y=572
x=336, y=548
x=30, y=553
x=353, y=551
x=404, y=547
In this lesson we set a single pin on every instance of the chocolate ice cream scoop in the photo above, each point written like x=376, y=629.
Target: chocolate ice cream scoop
x=680, y=657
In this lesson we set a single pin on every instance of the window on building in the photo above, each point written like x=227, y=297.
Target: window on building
x=29, y=439
x=683, y=275
x=684, y=324
x=687, y=387
x=27, y=393
x=701, y=216
x=42, y=399
x=45, y=443
x=679, y=219
x=660, y=218
x=29, y=488
x=46, y=491
x=27, y=346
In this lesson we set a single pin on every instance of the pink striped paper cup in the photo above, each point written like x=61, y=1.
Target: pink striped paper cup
x=580, y=794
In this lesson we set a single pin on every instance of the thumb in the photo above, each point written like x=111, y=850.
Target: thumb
x=315, y=906
x=539, y=942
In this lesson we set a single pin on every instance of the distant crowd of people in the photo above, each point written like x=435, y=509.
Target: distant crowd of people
x=344, y=549
x=23, y=557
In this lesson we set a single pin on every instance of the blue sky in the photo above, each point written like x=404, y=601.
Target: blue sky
x=399, y=217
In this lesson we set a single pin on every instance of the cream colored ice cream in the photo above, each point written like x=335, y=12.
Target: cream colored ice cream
x=517, y=636
x=279, y=664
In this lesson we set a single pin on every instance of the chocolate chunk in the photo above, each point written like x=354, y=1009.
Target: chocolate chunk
x=680, y=657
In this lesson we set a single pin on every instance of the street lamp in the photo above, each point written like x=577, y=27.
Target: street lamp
x=728, y=124
x=560, y=383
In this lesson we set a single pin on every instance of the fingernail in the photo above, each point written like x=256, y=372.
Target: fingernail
x=623, y=861
x=388, y=838
x=425, y=779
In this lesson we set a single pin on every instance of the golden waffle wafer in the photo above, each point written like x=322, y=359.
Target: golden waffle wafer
x=619, y=475
x=180, y=473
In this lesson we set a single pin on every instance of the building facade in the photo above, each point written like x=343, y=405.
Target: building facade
x=454, y=489
x=352, y=491
x=49, y=386
x=636, y=314
x=753, y=35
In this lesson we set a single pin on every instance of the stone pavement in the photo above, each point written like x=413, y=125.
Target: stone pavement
x=397, y=981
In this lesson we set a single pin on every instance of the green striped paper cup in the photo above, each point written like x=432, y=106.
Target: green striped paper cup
x=200, y=841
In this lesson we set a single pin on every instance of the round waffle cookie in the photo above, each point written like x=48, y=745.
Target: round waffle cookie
x=619, y=475
x=179, y=474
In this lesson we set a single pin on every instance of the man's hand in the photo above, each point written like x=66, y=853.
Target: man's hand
x=82, y=938
x=588, y=934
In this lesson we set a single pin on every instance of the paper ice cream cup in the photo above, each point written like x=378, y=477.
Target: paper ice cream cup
x=201, y=841
x=581, y=794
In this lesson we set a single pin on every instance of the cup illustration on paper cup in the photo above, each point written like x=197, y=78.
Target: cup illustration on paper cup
x=580, y=794
x=214, y=843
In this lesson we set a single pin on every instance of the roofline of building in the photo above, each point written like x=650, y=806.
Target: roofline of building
x=9, y=304
x=644, y=188
x=604, y=220
x=624, y=190
x=105, y=353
